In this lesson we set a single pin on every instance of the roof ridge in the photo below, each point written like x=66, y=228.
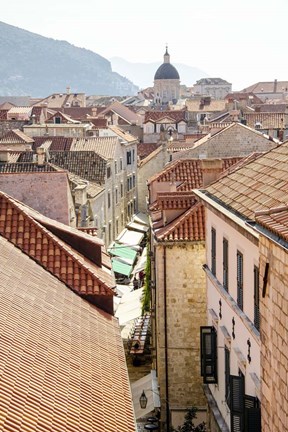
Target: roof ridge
x=88, y=283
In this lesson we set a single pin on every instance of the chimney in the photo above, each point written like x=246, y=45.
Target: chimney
x=40, y=156
x=275, y=86
x=211, y=170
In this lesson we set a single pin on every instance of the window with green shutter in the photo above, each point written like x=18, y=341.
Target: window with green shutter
x=208, y=354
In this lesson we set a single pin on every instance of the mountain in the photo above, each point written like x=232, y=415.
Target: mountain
x=38, y=66
x=143, y=73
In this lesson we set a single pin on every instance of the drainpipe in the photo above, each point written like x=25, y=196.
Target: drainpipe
x=166, y=341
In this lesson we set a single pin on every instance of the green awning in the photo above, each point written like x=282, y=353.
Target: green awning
x=123, y=252
x=121, y=268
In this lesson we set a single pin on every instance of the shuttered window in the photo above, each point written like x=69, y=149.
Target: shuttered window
x=208, y=354
x=240, y=280
x=237, y=403
x=225, y=263
x=245, y=410
x=227, y=376
x=252, y=414
x=256, y=298
x=213, y=251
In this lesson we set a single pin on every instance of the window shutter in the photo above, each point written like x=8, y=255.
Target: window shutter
x=256, y=298
x=213, y=251
x=240, y=280
x=209, y=354
x=252, y=414
x=237, y=403
x=225, y=263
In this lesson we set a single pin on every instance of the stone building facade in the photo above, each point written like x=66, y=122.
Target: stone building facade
x=274, y=317
x=180, y=285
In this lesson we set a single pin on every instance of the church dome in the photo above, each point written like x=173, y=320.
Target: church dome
x=166, y=70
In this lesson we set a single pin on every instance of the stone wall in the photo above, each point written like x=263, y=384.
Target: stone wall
x=274, y=338
x=236, y=141
x=153, y=166
x=186, y=312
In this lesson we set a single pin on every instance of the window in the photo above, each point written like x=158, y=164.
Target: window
x=109, y=232
x=109, y=200
x=240, y=280
x=227, y=376
x=117, y=226
x=225, y=263
x=121, y=164
x=108, y=172
x=134, y=205
x=245, y=409
x=134, y=180
x=115, y=167
x=116, y=195
x=256, y=299
x=57, y=120
x=213, y=251
x=121, y=190
x=133, y=155
x=128, y=184
x=237, y=402
x=128, y=155
x=208, y=354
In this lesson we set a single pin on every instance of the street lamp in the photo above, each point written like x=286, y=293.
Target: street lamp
x=143, y=400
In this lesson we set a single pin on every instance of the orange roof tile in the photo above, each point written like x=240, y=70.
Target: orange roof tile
x=62, y=363
x=186, y=171
x=275, y=220
x=259, y=185
x=40, y=238
x=188, y=227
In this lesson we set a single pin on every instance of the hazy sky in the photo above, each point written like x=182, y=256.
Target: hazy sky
x=241, y=41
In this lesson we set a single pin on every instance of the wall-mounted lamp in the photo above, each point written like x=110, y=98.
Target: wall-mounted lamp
x=143, y=400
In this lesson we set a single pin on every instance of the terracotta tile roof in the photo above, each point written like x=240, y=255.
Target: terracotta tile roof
x=188, y=227
x=78, y=113
x=103, y=146
x=6, y=106
x=144, y=150
x=65, y=118
x=123, y=112
x=55, y=143
x=16, y=136
x=100, y=123
x=174, y=115
x=174, y=200
x=151, y=155
x=19, y=167
x=195, y=105
x=249, y=97
x=186, y=172
x=62, y=363
x=86, y=164
x=268, y=87
x=35, y=235
x=259, y=185
x=275, y=220
x=126, y=136
x=20, y=110
x=271, y=107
